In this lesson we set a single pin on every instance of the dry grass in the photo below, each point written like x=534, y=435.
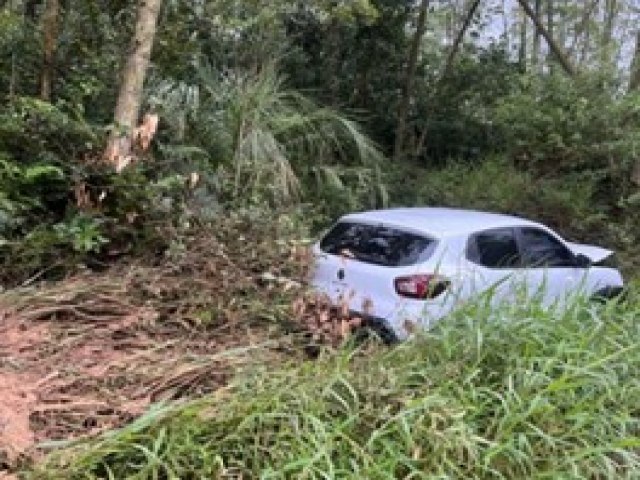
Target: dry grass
x=93, y=352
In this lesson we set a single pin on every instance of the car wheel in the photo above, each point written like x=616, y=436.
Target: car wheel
x=609, y=293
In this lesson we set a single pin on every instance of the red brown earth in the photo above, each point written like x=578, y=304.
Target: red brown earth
x=93, y=352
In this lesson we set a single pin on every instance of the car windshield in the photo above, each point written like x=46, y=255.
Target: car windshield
x=377, y=244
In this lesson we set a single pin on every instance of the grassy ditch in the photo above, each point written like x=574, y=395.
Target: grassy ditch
x=510, y=393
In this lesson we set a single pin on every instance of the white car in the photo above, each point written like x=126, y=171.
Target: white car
x=408, y=267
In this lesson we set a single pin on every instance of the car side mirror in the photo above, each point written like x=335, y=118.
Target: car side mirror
x=582, y=261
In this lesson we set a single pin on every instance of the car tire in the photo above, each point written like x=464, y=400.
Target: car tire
x=609, y=293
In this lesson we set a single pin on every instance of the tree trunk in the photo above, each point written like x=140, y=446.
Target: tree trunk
x=550, y=15
x=535, y=51
x=13, y=76
x=607, y=33
x=553, y=46
x=505, y=27
x=50, y=40
x=563, y=22
x=586, y=44
x=409, y=80
x=333, y=60
x=132, y=83
x=459, y=37
x=634, y=81
x=582, y=27
x=455, y=47
x=30, y=8
x=522, y=52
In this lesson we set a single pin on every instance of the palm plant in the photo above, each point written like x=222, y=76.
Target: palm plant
x=269, y=137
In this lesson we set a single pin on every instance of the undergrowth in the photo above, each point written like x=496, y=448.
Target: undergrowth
x=570, y=202
x=516, y=392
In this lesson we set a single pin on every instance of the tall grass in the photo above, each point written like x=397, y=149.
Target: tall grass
x=511, y=393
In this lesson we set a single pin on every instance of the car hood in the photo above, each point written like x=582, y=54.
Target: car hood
x=596, y=254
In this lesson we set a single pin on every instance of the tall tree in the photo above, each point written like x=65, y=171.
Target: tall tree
x=459, y=37
x=409, y=79
x=455, y=47
x=586, y=45
x=522, y=51
x=585, y=20
x=505, y=26
x=550, y=15
x=611, y=8
x=634, y=82
x=535, y=51
x=553, y=46
x=132, y=82
x=50, y=40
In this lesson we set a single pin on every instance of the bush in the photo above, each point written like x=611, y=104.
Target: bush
x=34, y=131
x=555, y=125
x=494, y=184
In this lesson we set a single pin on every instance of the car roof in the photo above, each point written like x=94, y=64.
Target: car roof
x=440, y=222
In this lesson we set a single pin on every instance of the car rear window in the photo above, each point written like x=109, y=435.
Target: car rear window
x=377, y=244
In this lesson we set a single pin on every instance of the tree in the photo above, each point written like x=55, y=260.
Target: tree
x=555, y=48
x=634, y=82
x=536, y=37
x=522, y=51
x=582, y=27
x=459, y=37
x=611, y=7
x=409, y=80
x=132, y=83
x=50, y=40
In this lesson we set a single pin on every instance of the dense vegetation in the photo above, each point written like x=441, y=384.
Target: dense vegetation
x=127, y=129
x=273, y=103
x=514, y=393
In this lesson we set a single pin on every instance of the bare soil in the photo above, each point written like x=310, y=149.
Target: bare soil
x=88, y=355
x=93, y=352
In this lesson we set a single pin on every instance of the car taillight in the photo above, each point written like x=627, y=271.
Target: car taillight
x=421, y=287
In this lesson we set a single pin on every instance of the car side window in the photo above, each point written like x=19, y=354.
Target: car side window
x=541, y=249
x=494, y=248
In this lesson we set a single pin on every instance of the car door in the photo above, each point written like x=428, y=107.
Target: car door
x=494, y=260
x=550, y=268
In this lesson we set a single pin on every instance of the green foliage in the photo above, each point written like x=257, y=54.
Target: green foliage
x=36, y=131
x=26, y=192
x=565, y=202
x=517, y=392
x=555, y=124
x=339, y=190
x=456, y=113
x=82, y=232
x=265, y=135
x=9, y=28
